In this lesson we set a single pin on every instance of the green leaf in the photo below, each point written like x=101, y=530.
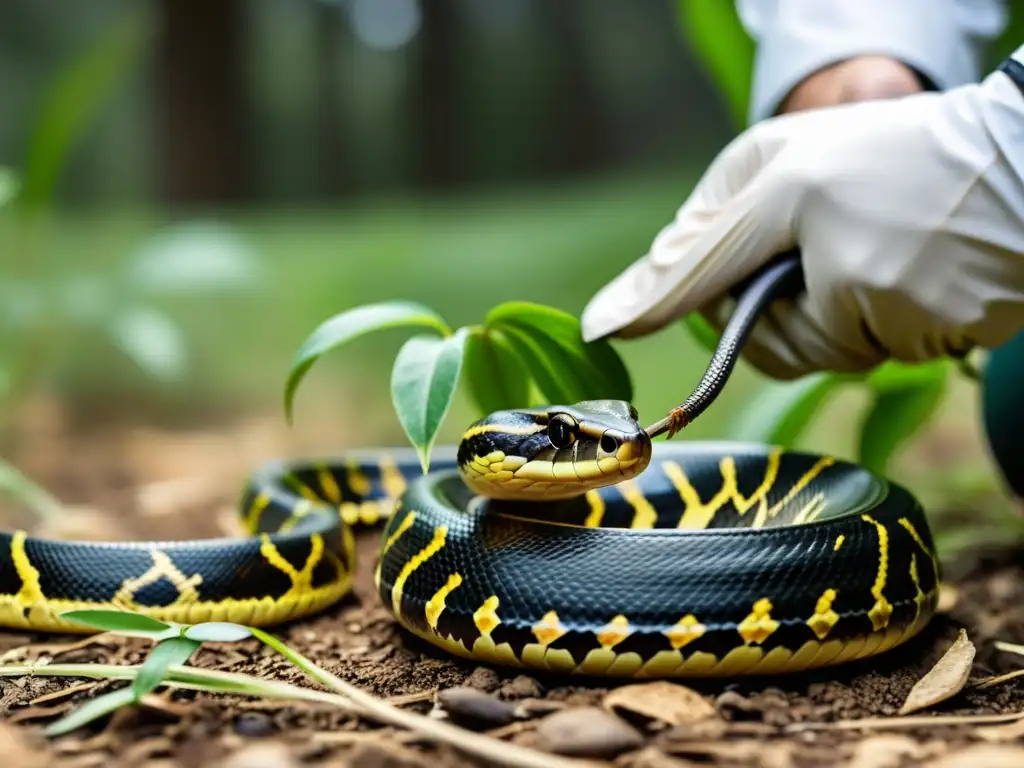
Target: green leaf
x=218, y=632
x=117, y=621
x=893, y=375
x=781, y=412
x=894, y=416
x=702, y=331
x=721, y=44
x=595, y=368
x=497, y=376
x=351, y=324
x=423, y=383
x=555, y=378
x=174, y=651
x=91, y=710
x=76, y=98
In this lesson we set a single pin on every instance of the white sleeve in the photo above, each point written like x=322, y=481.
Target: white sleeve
x=944, y=40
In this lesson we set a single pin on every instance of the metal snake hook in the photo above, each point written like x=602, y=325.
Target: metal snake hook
x=781, y=278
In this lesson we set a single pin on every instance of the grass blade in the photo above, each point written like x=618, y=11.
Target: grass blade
x=173, y=650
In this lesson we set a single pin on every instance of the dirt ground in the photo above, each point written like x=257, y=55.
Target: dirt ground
x=130, y=480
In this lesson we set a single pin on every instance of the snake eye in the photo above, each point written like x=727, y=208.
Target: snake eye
x=609, y=444
x=560, y=434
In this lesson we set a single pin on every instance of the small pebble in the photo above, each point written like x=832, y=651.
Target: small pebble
x=475, y=710
x=587, y=732
x=484, y=679
x=522, y=687
x=734, y=706
x=254, y=725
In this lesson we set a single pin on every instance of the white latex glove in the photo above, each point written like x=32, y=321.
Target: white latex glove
x=909, y=214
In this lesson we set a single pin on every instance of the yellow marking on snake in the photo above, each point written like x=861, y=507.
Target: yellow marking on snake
x=304, y=490
x=614, y=632
x=162, y=568
x=302, y=580
x=436, y=604
x=684, y=631
x=438, y=541
x=301, y=508
x=810, y=511
x=30, y=591
x=328, y=484
x=644, y=515
x=881, y=611
x=548, y=629
x=486, y=616
x=698, y=514
x=839, y=542
x=356, y=480
x=596, y=514
x=824, y=618
x=759, y=624
x=252, y=519
x=403, y=526
x=390, y=478
x=509, y=429
x=909, y=527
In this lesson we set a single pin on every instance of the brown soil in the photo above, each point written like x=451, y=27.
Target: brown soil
x=789, y=721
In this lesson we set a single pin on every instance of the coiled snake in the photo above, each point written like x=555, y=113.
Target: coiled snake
x=558, y=538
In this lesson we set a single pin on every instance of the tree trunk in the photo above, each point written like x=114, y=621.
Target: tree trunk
x=201, y=102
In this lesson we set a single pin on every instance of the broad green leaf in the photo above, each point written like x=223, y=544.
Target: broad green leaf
x=174, y=651
x=723, y=47
x=781, y=412
x=595, y=365
x=894, y=417
x=117, y=621
x=423, y=383
x=218, y=632
x=91, y=710
x=702, y=331
x=550, y=370
x=152, y=340
x=497, y=376
x=16, y=485
x=351, y=324
x=895, y=375
x=76, y=98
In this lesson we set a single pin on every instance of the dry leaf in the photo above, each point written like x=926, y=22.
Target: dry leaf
x=946, y=679
x=668, y=702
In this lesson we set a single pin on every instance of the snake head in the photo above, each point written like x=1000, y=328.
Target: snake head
x=555, y=452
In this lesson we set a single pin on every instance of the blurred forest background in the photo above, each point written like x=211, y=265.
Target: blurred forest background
x=192, y=187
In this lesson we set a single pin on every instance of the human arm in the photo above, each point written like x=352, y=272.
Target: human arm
x=814, y=53
x=909, y=214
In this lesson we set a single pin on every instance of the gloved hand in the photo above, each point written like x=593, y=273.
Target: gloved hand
x=909, y=214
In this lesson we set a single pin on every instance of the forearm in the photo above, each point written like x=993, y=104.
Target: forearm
x=940, y=41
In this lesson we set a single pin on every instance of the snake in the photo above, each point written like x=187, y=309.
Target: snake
x=559, y=538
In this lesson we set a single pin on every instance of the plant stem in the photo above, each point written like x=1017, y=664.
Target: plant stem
x=46, y=507
x=472, y=743
x=190, y=678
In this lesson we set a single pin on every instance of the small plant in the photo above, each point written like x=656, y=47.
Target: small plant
x=522, y=354
x=175, y=644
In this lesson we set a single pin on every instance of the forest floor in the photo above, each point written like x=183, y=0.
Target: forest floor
x=131, y=481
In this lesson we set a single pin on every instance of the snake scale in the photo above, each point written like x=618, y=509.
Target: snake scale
x=561, y=538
